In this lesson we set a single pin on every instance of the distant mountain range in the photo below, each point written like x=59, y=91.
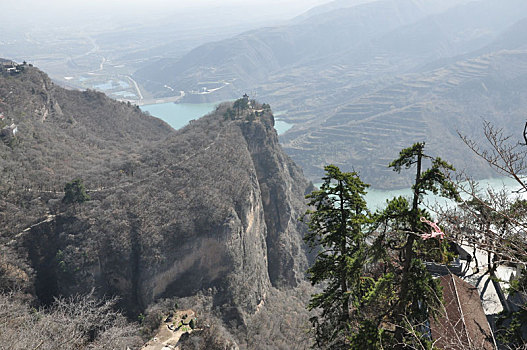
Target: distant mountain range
x=361, y=79
x=249, y=58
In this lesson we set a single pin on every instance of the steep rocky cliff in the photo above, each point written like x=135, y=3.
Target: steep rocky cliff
x=212, y=207
x=282, y=191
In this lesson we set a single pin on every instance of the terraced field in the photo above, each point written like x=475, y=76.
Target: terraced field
x=367, y=132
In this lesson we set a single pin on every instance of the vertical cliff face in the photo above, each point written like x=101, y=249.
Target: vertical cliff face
x=282, y=189
x=229, y=256
x=235, y=201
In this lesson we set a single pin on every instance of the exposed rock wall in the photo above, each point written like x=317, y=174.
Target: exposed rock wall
x=256, y=241
x=282, y=187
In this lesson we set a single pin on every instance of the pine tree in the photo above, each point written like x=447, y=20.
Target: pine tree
x=377, y=291
x=74, y=192
x=336, y=229
x=418, y=295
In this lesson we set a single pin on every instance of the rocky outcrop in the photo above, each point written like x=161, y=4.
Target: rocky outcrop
x=282, y=187
x=243, y=235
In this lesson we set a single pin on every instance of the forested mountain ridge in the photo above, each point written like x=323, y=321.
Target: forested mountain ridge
x=65, y=134
x=212, y=207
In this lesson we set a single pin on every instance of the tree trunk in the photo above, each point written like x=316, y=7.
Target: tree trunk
x=408, y=254
x=344, y=253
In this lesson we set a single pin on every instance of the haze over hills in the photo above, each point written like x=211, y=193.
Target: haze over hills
x=254, y=56
x=345, y=70
x=428, y=6
x=89, y=44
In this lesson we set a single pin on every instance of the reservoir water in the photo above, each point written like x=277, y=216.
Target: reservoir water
x=177, y=115
x=376, y=199
x=281, y=126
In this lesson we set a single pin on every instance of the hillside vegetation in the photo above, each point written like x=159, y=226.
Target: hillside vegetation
x=210, y=208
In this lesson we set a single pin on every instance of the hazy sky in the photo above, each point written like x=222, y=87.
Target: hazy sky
x=194, y=3
x=72, y=13
x=287, y=7
x=47, y=20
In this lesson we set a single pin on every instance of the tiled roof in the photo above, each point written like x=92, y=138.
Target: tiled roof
x=462, y=323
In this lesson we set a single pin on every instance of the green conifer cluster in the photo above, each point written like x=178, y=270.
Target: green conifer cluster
x=377, y=292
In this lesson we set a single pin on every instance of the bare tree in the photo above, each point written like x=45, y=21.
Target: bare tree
x=80, y=322
x=495, y=221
